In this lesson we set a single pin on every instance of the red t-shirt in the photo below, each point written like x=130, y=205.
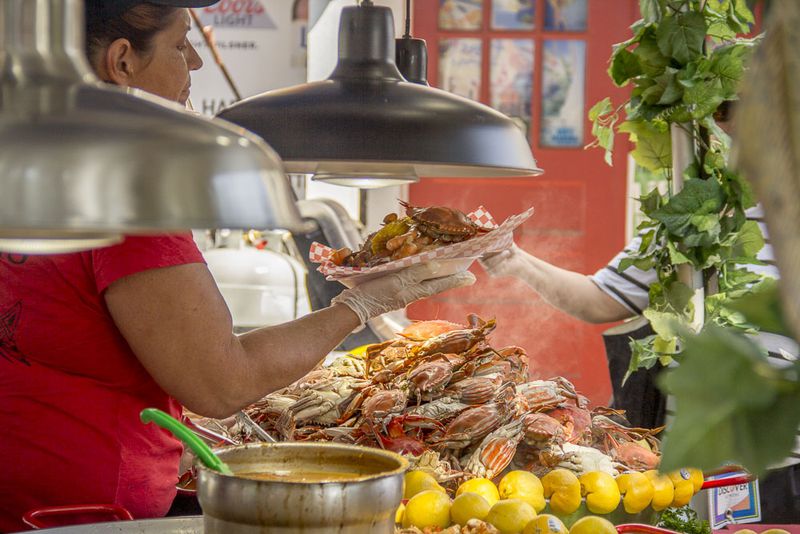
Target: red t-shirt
x=71, y=389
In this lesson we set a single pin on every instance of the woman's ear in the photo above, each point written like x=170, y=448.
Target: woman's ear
x=118, y=63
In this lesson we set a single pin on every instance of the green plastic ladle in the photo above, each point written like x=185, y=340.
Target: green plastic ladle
x=180, y=431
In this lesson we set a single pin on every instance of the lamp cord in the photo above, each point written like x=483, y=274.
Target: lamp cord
x=408, y=20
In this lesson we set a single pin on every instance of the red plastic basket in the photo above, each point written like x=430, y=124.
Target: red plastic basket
x=643, y=529
x=59, y=516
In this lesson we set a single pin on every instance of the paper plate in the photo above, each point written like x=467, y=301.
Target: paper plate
x=446, y=267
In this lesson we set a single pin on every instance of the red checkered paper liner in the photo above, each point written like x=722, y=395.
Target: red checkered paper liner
x=497, y=239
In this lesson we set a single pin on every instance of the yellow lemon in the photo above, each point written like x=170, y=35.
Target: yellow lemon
x=510, y=516
x=637, y=491
x=601, y=492
x=564, y=491
x=593, y=525
x=750, y=531
x=525, y=486
x=663, y=490
x=696, y=476
x=418, y=481
x=398, y=515
x=483, y=487
x=468, y=506
x=545, y=524
x=774, y=531
x=430, y=508
x=684, y=488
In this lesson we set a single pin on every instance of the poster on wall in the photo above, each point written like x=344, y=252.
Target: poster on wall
x=513, y=14
x=460, y=14
x=460, y=67
x=565, y=15
x=563, y=75
x=247, y=33
x=511, y=79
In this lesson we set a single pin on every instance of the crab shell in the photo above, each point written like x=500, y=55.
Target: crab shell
x=442, y=223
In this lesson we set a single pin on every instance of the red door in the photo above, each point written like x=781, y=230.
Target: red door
x=579, y=222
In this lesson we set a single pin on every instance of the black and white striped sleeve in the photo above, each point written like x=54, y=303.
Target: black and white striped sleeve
x=629, y=287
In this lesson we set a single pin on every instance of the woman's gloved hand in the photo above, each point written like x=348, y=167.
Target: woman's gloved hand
x=509, y=262
x=395, y=291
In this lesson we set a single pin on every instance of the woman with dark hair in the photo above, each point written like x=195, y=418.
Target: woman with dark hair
x=87, y=340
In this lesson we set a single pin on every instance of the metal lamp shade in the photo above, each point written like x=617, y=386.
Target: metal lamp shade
x=82, y=163
x=366, y=120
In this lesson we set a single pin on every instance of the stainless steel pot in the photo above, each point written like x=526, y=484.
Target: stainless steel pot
x=365, y=503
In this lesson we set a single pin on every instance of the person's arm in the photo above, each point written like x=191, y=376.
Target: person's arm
x=178, y=325
x=571, y=292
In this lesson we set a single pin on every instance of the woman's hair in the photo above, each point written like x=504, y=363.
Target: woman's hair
x=138, y=25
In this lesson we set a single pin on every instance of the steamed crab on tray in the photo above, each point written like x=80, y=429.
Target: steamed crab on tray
x=442, y=234
x=466, y=412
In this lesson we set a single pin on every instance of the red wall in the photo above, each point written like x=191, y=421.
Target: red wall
x=580, y=209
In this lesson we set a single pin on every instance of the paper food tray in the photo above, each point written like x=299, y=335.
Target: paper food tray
x=451, y=258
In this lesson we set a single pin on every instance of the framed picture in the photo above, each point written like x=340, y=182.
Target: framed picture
x=460, y=66
x=563, y=76
x=460, y=14
x=511, y=78
x=513, y=14
x=565, y=15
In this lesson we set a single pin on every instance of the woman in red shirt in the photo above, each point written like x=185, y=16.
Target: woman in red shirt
x=87, y=340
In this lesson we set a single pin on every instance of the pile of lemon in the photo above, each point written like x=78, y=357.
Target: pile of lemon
x=515, y=504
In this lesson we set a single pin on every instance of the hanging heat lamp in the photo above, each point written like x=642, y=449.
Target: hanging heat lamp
x=367, y=126
x=82, y=163
x=411, y=55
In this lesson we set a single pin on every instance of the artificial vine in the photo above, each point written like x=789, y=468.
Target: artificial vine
x=733, y=403
x=683, y=61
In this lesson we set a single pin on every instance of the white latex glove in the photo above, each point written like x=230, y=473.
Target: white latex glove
x=395, y=291
x=509, y=262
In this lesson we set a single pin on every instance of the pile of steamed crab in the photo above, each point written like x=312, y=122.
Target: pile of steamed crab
x=421, y=229
x=442, y=396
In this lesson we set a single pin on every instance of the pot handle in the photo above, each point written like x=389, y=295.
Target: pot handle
x=52, y=516
x=643, y=529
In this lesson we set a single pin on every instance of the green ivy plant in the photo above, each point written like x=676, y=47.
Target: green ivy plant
x=684, y=59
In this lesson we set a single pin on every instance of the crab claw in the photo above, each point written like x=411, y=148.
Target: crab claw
x=496, y=451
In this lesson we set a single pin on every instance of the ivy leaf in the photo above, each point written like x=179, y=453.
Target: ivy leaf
x=732, y=404
x=698, y=197
x=716, y=14
x=624, y=66
x=719, y=134
x=651, y=10
x=678, y=296
x=601, y=108
x=666, y=89
x=762, y=308
x=663, y=323
x=739, y=188
x=651, y=60
x=704, y=97
x=727, y=64
x=603, y=127
x=653, y=145
x=651, y=201
x=743, y=11
x=748, y=242
x=675, y=256
x=681, y=36
x=739, y=16
x=687, y=76
x=642, y=356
